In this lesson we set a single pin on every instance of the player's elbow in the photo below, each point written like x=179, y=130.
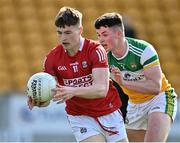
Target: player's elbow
x=157, y=88
x=102, y=91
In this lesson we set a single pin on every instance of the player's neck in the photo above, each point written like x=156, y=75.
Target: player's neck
x=74, y=50
x=120, y=50
x=77, y=47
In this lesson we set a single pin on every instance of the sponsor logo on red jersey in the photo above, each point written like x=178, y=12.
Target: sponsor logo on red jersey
x=84, y=81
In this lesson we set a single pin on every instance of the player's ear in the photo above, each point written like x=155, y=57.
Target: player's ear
x=119, y=33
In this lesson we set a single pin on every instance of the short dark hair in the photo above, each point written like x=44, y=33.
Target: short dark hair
x=109, y=20
x=68, y=16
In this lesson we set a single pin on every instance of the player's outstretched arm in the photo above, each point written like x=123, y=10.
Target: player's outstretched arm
x=98, y=89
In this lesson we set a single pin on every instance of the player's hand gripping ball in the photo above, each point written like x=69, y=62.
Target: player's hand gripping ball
x=39, y=87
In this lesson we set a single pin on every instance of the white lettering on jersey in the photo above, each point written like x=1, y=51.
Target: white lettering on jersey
x=84, y=81
x=75, y=66
x=62, y=68
x=100, y=55
x=133, y=76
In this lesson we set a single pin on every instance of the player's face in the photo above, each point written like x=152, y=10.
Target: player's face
x=107, y=37
x=69, y=36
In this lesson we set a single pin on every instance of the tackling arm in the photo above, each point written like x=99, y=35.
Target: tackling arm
x=151, y=85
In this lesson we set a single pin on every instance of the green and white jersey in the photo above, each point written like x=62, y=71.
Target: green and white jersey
x=140, y=55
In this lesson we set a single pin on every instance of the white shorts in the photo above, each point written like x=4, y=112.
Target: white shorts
x=137, y=114
x=84, y=127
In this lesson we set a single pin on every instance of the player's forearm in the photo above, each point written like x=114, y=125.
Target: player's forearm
x=91, y=92
x=147, y=86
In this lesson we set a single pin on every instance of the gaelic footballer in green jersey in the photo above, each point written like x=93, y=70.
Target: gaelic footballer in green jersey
x=140, y=55
x=135, y=66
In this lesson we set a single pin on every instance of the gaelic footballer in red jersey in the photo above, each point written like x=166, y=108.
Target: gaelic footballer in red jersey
x=81, y=68
x=76, y=71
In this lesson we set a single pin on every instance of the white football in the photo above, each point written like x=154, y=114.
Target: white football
x=39, y=87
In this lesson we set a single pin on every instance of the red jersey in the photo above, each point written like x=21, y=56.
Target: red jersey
x=77, y=71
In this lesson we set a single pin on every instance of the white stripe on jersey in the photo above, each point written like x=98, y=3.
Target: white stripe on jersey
x=100, y=54
x=135, y=50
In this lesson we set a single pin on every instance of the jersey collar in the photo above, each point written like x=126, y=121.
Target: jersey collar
x=81, y=43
